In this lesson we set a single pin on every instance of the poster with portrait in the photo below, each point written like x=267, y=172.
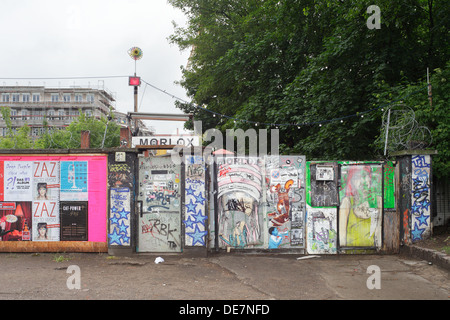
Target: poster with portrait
x=46, y=181
x=46, y=221
x=74, y=180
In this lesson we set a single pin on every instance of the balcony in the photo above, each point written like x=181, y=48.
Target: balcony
x=38, y=120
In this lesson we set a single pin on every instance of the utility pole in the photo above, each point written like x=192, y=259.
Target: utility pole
x=135, y=54
x=135, y=104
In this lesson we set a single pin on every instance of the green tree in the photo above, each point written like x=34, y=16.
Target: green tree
x=18, y=140
x=433, y=115
x=104, y=133
x=306, y=65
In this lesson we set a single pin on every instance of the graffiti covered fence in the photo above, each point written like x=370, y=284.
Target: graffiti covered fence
x=261, y=202
x=285, y=202
x=123, y=201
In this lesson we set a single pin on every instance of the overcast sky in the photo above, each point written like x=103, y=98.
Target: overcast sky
x=91, y=38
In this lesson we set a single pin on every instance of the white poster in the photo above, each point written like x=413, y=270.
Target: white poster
x=17, y=180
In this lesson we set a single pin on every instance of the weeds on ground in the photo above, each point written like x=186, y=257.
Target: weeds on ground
x=60, y=258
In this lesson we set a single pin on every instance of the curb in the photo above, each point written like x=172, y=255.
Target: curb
x=438, y=258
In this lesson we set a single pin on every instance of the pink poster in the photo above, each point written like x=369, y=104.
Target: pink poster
x=37, y=180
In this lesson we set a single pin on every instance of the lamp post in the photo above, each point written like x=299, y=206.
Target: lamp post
x=135, y=54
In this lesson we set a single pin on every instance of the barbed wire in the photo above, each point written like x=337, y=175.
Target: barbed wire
x=400, y=130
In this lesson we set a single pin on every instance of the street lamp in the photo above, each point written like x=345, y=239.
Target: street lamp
x=135, y=54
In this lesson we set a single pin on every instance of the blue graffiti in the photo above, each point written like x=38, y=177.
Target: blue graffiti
x=420, y=162
x=420, y=196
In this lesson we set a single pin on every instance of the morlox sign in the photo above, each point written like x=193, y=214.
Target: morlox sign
x=188, y=141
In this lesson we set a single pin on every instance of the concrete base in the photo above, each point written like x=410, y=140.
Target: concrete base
x=438, y=258
x=120, y=251
x=53, y=246
x=193, y=252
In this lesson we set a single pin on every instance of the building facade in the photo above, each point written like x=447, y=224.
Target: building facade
x=58, y=106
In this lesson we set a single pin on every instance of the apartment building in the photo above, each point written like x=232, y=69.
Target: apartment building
x=58, y=106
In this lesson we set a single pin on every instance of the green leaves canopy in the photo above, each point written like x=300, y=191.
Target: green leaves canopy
x=307, y=62
x=103, y=134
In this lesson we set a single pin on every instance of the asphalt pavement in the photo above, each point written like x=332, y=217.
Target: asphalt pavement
x=224, y=277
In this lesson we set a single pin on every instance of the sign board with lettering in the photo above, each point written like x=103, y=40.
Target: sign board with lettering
x=187, y=141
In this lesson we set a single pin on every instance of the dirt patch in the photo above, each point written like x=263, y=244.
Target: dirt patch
x=439, y=241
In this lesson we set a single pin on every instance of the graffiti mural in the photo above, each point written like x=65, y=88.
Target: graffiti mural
x=195, y=201
x=160, y=232
x=388, y=186
x=404, y=198
x=239, y=181
x=285, y=198
x=322, y=230
x=120, y=181
x=322, y=200
x=360, y=211
x=119, y=217
x=160, y=217
x=323, y=184
x=420, y=197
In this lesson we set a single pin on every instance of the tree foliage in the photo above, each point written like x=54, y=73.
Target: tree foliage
x=308, y=62
x=104, y=133
x=433, y=115
x=18, y=140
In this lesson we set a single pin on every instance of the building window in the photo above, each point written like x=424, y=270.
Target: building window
x=74, y=114
x=37, y=115
x=5, y=97
x=13, y=113
x=26, y=97
x=36, y=97
x=15, y=97
x=24, y=115
x=51, y=115
x=90, y=98
x=55, y=97
x=61, y=114
x=78, y=97
x=66, y=97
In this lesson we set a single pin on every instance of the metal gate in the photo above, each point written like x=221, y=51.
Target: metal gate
x=159, y=200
